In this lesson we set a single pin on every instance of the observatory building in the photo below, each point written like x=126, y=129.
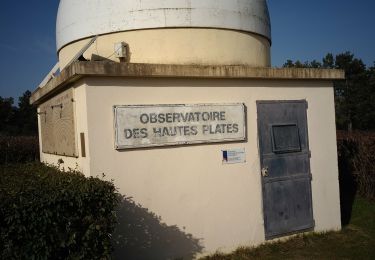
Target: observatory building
x=177, y=103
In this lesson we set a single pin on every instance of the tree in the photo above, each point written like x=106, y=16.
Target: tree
x=6, y=115
x=351, y=94
x=21, y=120
x=354, y=96
x=298, y=64
x=26, y=116
x=329, y=61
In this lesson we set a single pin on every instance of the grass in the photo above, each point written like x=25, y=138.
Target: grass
x=355, y=241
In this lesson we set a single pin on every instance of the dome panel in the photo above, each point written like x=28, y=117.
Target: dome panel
x=84, y=18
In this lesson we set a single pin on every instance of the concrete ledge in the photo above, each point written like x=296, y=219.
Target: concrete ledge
x=112, y=69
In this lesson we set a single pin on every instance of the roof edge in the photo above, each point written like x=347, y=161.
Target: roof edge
x=80, y=69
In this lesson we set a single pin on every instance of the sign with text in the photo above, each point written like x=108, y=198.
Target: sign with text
x=234, y=156
x=163, y=125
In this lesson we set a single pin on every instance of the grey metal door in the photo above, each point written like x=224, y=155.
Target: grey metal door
x=285, y=164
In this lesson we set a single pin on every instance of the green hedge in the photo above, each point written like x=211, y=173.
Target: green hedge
x=356, y=151
x=47, y=214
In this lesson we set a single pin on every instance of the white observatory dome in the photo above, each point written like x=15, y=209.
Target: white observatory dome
x=79, y=20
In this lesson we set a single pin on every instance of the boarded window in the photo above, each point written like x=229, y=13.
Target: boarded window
x=57, y=125
x=286, y=138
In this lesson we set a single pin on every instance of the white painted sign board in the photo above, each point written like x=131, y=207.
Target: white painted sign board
x=139, y=126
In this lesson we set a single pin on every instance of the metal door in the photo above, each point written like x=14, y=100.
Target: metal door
x=285, y=164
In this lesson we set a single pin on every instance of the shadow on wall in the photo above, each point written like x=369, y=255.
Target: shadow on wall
x=348, y=184
x=141, y=235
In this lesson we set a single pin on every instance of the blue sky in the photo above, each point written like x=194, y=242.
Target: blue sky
x=301, y=29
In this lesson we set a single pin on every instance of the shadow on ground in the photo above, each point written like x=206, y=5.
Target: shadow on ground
x=140, y=234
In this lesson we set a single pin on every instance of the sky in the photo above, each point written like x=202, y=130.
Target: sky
x=301, y=30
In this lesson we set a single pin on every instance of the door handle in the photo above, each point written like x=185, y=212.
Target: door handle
x=265, y=171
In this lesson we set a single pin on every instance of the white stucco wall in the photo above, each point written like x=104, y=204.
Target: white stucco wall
x=188, y=186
